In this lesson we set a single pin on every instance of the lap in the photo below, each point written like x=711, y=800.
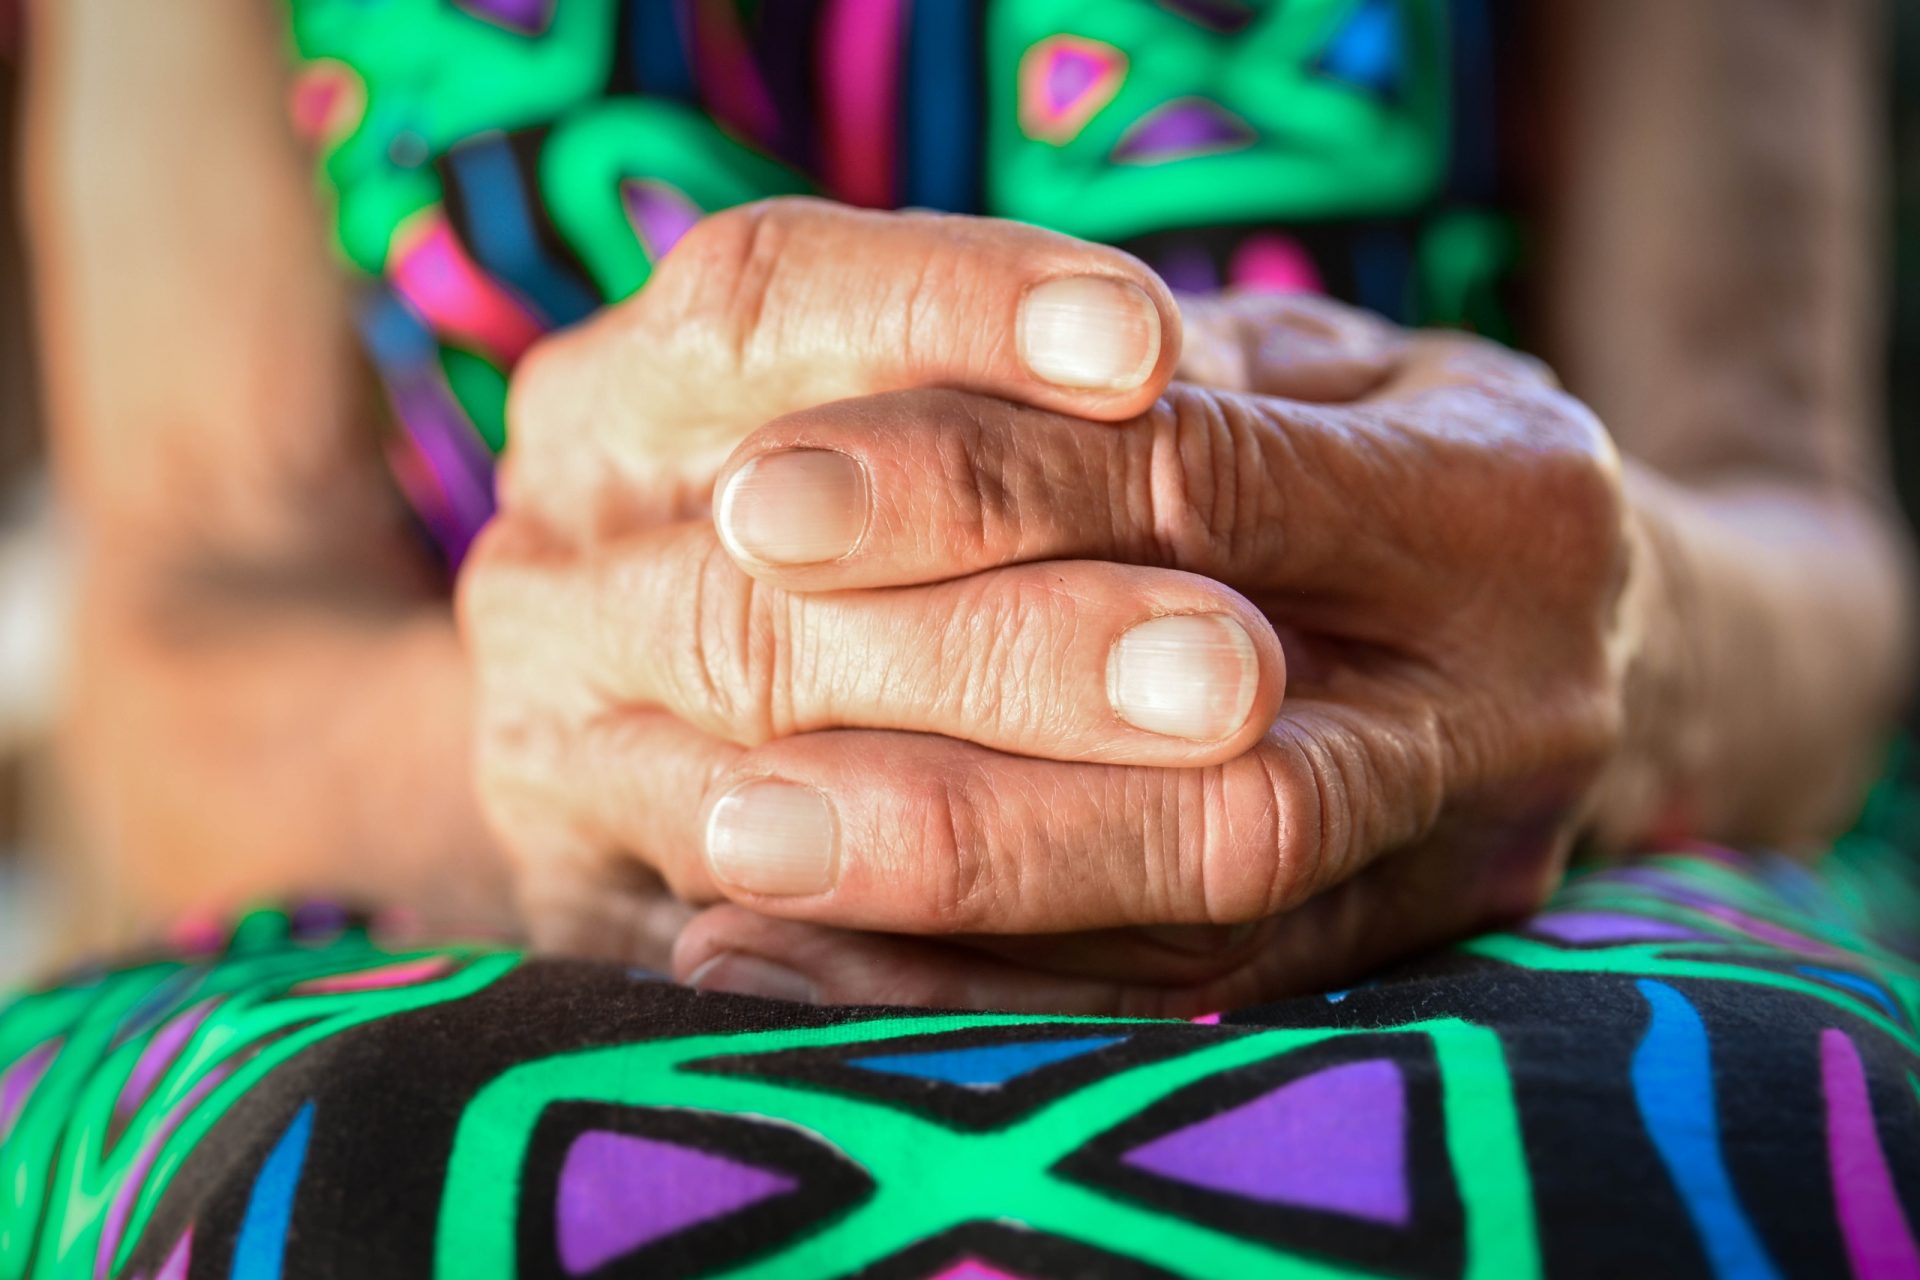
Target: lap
x=1698, y=1064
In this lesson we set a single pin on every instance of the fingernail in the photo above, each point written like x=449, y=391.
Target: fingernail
x=1090, y=331
x=1189, y=675
x=772, y=837
x=797, y=506
x=744, y=975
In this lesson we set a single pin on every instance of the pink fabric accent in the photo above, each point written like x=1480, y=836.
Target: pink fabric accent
x=177, y=1263
x=1879, y=1240
x=199, y=933
x=1206, y=1020
x=859, y=55
x=974, y=1269
x=1271, y=263
x=1064, y=82
x=429, y=269
x=327, y=102
x=402, y=973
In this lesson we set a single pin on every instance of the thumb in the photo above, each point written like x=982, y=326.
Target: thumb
x=1297, y=346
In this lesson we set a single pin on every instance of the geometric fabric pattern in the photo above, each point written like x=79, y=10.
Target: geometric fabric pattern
x=1717, y=1049
x=307, y=1101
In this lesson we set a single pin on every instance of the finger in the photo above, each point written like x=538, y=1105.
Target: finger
x=729, y=949
x=1298, y=346
x=1069, y=661
x=927, y=485
x=1399, y=907
x=1443, y=360
x=915, y=834
x=600, y=816
x=770, y=307
x=733, y=950
x=611, y=911
x=930, y=485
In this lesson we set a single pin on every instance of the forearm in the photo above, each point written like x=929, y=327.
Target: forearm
x=233, y=741
x=1773, y=629
x=300, y=726
x=1710, y=287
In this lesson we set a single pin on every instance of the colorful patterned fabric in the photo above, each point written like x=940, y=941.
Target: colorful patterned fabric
x=1698, y=1065
x=504, y=167
x=1702, y=1064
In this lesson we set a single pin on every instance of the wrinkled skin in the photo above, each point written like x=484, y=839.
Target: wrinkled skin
x=1426, y=541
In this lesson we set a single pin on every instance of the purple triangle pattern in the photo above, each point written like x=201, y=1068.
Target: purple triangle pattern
x=1334, y=1141
x=619, y=1192
x=1188, y=126
x=660, y=214
x=1590, y=927
x=1070, y=73
x=179, y=1261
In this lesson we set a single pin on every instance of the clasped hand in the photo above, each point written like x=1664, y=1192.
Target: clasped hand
x=926, y=609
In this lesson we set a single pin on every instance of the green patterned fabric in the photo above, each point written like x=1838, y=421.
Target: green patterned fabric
x=1703, y=1063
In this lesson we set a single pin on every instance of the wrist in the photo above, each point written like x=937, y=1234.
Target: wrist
x=1649, y=788
x=1763, y=659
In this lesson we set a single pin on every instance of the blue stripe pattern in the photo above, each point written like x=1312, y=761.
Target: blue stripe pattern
x=660, y=48
x=940, y=155
x=501, y=228
x=1673, y=1088
x=397, y=339
x=985, y=1067
x=261, y=1249
x=1854, y=982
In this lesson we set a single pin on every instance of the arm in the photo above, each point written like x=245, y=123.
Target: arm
x=268, y=694
x=1710, y=291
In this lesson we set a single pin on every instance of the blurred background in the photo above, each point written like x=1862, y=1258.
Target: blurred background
x=31, y=595
x=32, y=577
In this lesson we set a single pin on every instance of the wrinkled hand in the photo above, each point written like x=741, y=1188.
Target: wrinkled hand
x=603, y=618
x=964, y=667
x=1444, y=556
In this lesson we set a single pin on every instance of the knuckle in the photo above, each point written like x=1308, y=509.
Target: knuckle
x=1270, y=835
x=986, y=520
x=1295, y=815
x=967, y=881
x=1212, y=843
x=1583, y=728
x=532, y=392
x=1553, y=495
x=545, y=397
x=1579, y=485
x=569, y=416
x=1003, y=641
x=727, y=655
x=717, y=286
x=929, y=291
x=1193, y=498
x=1337, y=326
